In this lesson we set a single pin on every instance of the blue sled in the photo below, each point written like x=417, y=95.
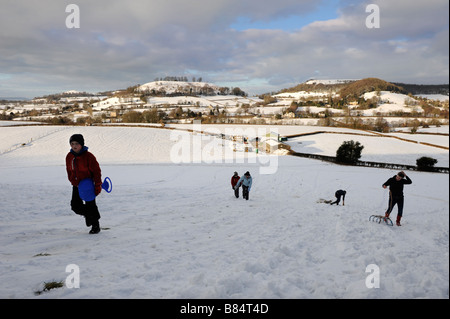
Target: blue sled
x=86, y=188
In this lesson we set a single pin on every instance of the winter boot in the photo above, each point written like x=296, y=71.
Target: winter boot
x=95, y=228
x=386, y=215
x=398, y=220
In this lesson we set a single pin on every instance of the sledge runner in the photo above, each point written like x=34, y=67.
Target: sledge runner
x=234, y=180
x=396, y=197
x=246, y=182
x=82, y=164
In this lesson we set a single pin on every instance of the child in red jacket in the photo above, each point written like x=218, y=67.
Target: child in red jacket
x=81, y=164
x=234, y=179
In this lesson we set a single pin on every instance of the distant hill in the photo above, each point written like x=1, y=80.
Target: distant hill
x=318, y=86
x=353, y=89
x=349, y=89
x=177, y=88
x=66, y=94
x=11, y=99
x=417, y=89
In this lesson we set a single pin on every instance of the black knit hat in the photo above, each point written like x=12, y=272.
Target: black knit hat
x=77, y=138
x=247, y=173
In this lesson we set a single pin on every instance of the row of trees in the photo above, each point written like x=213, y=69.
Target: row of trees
x=158, y=116
x=151, y=116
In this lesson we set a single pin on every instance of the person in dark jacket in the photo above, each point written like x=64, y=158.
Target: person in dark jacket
x=396, y=197
x=81, y=164
x=234, y=180
x=338, y=195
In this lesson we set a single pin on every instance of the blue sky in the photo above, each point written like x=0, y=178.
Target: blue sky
x=258, y=46
x=326, y=11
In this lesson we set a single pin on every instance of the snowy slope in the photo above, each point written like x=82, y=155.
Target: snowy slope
x=330, y=81
x=175, y=230
x=175, y=86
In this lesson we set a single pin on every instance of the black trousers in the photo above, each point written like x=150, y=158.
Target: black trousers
x=236, y=192
x=245, y=192
x=395, y=200
x=338, y=199
x=87, y=209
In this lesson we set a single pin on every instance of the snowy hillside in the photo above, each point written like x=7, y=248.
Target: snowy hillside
x=392, y=102
x=170, y=87
x=173, y=229
x=330, y=81
x=308, y=103
x=116, y=102
x=295, y=96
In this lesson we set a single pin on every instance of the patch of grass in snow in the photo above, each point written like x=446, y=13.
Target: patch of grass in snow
x=49, y=286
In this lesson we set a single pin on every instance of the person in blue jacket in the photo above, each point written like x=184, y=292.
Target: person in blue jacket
x=246, y=182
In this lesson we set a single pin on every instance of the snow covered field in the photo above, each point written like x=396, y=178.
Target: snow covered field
x=175, y=230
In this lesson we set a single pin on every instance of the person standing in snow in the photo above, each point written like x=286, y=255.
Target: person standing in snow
x=338, y=195
x=395, y=184
x=246, y=182
x=81, y=164
x=234, y=180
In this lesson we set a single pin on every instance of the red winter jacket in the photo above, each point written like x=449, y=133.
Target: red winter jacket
x=234, y=180
x=83, y=165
